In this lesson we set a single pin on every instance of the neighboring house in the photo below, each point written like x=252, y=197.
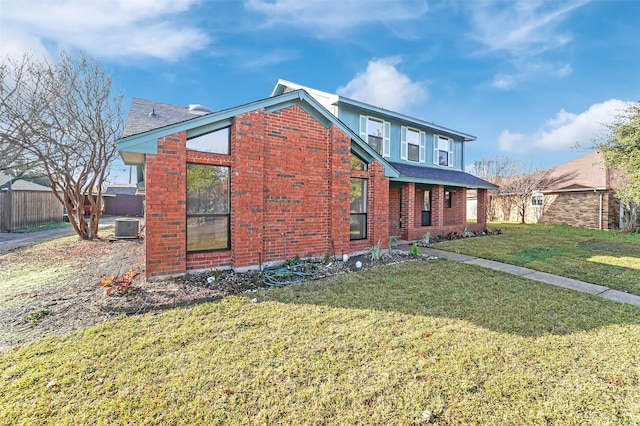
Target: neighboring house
x=580, y=192
x=125, y=200
x=24, y=204
x=300, y=173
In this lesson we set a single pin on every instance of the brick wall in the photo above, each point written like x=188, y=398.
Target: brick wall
x=581, y=209
x=289, y=195
x=394, y=212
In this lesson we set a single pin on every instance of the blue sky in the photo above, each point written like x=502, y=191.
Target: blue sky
x=530, y=79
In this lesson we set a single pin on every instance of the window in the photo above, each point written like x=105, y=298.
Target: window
x=537, y=200
x=376, y=133
x=208, y=207
x=357, y=163
x=426, y=208
x=447, y=199
x=217, y=142
x=442, y=151
x=358, y=209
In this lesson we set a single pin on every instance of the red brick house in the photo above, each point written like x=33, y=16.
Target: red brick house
x=269, y=180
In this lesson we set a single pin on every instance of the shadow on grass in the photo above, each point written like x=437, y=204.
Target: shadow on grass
x=440, y=288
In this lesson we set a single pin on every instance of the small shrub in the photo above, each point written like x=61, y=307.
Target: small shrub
x=35, y=316
x=393, y=243
x=467, y=234
x=122, y=284
x=425, y=241
x=452, y=235
x=415, y=251
x=376, y=252
x=295, y=260
x=327, y=257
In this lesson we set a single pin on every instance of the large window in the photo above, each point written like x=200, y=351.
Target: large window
x=442, y=151
x=358, y=209
x=426, y=208
x=216, y=142
x=208, y=207
x=358, y=163
x=376, y=133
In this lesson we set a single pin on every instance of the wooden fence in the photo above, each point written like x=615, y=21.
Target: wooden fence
x=22, y=209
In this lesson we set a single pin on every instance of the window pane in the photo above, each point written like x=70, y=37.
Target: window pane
x=374, y=134
x=207, y=233
x=443, y=158
x=358, y=195
x=207, y=189
x=358, y=226
x=426, y=201
x=447, y=199
x=414, y=152
x=413, y=137
x=375, y=143
x=216, y=142
x=357, y=163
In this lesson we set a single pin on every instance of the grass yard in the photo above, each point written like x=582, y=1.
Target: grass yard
x=379, y=347
x=607, y=258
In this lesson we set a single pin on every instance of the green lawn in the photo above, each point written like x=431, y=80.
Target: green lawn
x=607, y=258
x=470, y=345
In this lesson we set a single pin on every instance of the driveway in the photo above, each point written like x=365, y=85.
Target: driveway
x=13, y=240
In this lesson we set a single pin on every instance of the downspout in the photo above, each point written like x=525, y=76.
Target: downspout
x=600, y=212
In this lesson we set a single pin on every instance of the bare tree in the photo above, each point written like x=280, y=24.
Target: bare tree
x=518, y=183
x=64, y=117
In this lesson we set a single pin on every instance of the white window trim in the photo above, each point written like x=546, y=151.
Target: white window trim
x=436, y=151
x=404, y=144
x=386, y=133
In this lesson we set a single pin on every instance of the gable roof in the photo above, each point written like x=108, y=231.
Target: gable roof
x=586, y=172
x=146, y=115
x=133, y=147
x=438, y=176
x=331, y=101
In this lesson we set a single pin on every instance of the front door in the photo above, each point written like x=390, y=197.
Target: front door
x=426, y=208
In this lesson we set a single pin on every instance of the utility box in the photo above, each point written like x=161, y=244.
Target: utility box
x=127, y=228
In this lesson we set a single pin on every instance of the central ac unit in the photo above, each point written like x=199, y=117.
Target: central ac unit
x=127, y=228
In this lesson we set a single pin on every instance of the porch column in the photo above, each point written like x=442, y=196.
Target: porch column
x=483, y=202
x=437, y=206
x=408, y=209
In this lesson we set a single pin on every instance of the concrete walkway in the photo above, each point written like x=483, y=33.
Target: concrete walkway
x=596, y=290
x=13, y=240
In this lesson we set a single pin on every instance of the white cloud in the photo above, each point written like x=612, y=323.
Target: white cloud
x=335, y=18
x=523, y=32
x=564, y=130
x=119, y=28
x=381, y=84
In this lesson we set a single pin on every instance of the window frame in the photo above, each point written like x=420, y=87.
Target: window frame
x=209, y=214
x=385, y=148
x=361, y=214
x=448, y=196
x=437, y=150
x=228, y=145
x=537, y=200
x=426, y=207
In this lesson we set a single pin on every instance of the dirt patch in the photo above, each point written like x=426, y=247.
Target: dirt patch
x=52, y=288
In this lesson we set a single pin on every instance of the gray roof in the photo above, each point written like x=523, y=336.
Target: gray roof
x=146, y=115
x=440, y=176
x=121, y=190
x=23, y=185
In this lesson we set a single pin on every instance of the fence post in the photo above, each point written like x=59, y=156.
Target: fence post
x=7, y=210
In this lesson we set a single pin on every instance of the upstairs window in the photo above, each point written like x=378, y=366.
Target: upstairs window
x=376, y=133
x=216, y=142
x=442, y=151
x=412, y=145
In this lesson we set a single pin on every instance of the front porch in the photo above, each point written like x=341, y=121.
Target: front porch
x=417, y=208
